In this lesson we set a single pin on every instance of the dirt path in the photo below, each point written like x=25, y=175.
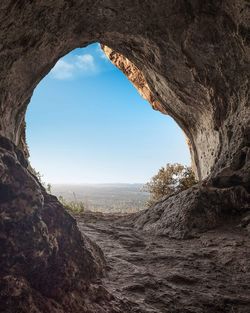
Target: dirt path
x=157, y=275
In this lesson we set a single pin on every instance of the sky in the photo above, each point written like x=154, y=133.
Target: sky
x=86, y=123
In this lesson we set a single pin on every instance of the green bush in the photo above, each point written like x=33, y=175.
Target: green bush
x=170, y=179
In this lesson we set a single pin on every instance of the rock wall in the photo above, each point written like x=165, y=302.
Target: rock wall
x=46, y=265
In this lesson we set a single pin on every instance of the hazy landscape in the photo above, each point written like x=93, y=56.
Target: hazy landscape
x=107, y=198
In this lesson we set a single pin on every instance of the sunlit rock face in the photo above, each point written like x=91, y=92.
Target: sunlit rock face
x=135, y=76
x=193, y=62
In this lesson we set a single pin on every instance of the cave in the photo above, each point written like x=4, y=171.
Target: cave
x=190, y=59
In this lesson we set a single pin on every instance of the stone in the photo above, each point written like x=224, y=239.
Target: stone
x=46, y=264
x=205, y=274
x=193, y=211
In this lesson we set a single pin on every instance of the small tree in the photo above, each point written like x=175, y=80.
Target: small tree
x=170, y=179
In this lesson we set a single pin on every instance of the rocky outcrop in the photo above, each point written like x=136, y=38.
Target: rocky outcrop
x=135, y=76
x=46, y=264
x=193, y=59
x=193, y=211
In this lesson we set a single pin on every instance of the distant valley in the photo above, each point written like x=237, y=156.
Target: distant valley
x=106, y=198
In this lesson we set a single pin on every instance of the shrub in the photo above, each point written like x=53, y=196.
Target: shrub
x=73, y=207
x=170, y=179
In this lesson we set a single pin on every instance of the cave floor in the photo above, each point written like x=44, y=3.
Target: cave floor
x=210, y=273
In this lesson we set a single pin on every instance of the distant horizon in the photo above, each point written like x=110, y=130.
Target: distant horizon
x=89, y=184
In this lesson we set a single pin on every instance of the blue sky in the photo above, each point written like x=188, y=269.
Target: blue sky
x=86, y=123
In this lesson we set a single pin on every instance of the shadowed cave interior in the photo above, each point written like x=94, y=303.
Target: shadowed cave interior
x=189, y=252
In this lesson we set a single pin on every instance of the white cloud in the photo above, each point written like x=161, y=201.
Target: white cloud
x=77, y=65
x=86, y=63
x=63, y=70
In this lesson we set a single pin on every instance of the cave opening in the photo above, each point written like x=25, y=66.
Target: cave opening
x=92, y=138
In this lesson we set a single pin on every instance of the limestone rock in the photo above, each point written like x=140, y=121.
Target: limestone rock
x=193, y=211
x=135, y=76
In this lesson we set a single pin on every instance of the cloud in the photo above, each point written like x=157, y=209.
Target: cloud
x=62, y=70
x=86, y=63
x=74, y=66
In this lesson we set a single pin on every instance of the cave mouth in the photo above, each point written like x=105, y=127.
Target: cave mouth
x=90, y=133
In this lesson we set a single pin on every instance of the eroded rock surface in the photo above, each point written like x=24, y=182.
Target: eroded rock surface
x=135, y=76
x=206, y=274
x=46, y=265
x=193, y=211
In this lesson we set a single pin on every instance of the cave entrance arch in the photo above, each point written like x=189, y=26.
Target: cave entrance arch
x=64, y=107
x=183, y=73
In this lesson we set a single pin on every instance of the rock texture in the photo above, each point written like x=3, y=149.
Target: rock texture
x=135, y=76
x=46, y=265
x=193, y=57
x=208, y=274
x=207, y=205
x=193, y=211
